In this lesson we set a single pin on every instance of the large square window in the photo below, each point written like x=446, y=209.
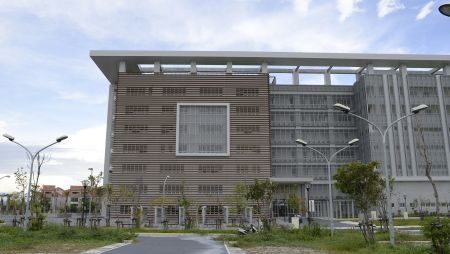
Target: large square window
x=203, y=129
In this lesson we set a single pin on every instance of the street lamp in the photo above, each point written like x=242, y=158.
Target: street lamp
x=307, y=186
x=90, y=195
x=7, y=176
x=330, y=195
x=414, y=111
x=32, y=158
x=83, y=203
x=445, y=9
x=163, y=214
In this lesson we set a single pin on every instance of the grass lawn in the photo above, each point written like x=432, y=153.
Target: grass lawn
x=343, y=241
x=59, y=239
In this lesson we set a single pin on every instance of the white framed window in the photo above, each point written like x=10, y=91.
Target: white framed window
x=203, y=129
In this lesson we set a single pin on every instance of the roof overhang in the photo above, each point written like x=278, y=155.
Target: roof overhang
x=108, y=60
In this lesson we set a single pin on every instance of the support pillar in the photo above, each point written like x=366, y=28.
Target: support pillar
x=226, y=214
x=295, y=77
x=391, y=145
x=229, y=68
x=181, y=215
x=157, y=67
x=122, y=66
x=399, y=126
x=412, y=149
x=264, y=68
x=193, y=68
x=446, y=70
x=442, y=112
x=203, y=215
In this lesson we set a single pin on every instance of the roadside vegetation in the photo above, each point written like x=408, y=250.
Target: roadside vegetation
x=57, y=238
x=314, y=237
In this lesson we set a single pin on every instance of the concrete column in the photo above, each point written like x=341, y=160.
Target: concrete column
x=193, y=68
x=249, y=214
x=399, y=126
x=181, y=215
x=442, y=112
x=109, y=133
x=327, y=78
x=370, y=69
x=412, y=149
x=387, y=105
x=131, y=213
x=229, y=68
x=295, y=78
x=226, y=213
x=157, y=67
x=264, y=68
x=446, y=70
x=122, y=66
x=203, y=215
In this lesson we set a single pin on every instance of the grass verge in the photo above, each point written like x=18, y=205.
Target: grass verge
x=343, y=241
x=56, y=238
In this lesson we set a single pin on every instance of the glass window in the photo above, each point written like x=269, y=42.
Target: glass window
x=205, y=129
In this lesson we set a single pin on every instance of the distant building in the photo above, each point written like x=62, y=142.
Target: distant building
x=211, y=119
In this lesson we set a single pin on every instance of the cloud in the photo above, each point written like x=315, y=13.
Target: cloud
x=301, y=6
x=426, y=9
x=87, y=145
x=347, y=7
x=386, y=7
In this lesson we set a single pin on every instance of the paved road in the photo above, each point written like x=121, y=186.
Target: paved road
x=177, y=244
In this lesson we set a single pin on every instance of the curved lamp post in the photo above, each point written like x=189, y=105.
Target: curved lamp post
x=383, y=135
x=32, y=158
x=330, y=194
x=7, y=176
x=445, y=9
x=85, y=183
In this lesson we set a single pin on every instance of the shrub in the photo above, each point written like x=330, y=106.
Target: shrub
x=439, y=234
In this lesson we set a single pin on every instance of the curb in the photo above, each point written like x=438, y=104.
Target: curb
x=107, y=248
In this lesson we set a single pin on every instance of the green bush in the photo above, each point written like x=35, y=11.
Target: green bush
x=439, y=233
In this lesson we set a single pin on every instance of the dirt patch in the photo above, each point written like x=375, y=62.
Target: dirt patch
x=282, y=250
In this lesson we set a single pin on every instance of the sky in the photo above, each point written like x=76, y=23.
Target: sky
x=50, y=87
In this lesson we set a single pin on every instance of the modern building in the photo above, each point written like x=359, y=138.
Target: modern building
x=212, y=119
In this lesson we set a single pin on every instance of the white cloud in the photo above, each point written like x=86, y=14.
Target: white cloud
x=425, y=10
x=87, y=145
x=386, y=7
x=347, y=7
x=301, y=6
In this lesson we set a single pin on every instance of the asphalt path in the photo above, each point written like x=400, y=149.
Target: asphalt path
x=175, y=244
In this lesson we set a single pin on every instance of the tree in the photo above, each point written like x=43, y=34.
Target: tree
x=186, y=203
x=262, y=194
x=363, y=184
x=238, y=200
x=21, y=182
x=293, y=202
x=436, y=230
x=96, y=192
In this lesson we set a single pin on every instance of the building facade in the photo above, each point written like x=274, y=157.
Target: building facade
x=209, y=120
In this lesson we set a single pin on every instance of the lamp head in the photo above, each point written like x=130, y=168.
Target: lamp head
x=85, y=183
x=419, y=108
x=445, y=9
x=341, y=107
x=307, y=186
x=301, y=142
x=167, y=176
x=353, y=141
x=91, y=169
x=9, y=137
x=61, y=138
